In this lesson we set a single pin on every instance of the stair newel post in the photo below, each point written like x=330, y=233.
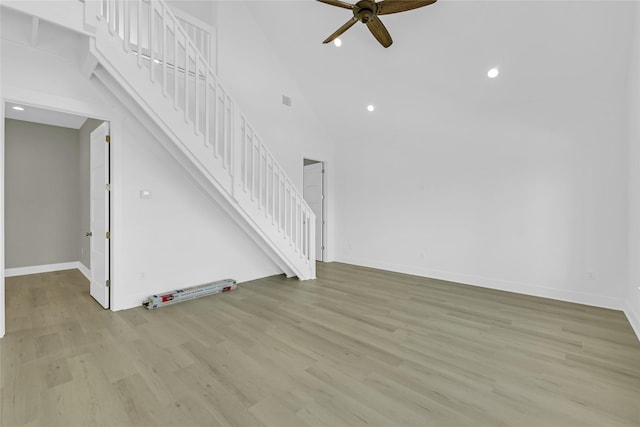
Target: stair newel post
x=299, y=224
x=311, y=252
x=274, y=190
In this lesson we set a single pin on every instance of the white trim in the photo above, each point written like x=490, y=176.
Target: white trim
x=634, y=320
x=2, y=169
x=595, y=300
x=325, y=201
x=84, y=270
x=46, y=268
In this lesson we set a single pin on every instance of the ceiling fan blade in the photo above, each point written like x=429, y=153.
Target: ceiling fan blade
x=341, y=30
x=386, y=7
x=379, y=31
x=338, y=3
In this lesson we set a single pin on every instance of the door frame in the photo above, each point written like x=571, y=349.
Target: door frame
x=325, y=201
x=72, y=106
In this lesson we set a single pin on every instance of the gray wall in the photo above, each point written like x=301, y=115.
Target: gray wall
x=84, y=135
x=42, y=194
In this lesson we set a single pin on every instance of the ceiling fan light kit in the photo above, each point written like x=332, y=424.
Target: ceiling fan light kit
x=367, y=12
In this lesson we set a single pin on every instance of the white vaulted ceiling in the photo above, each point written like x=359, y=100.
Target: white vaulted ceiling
x=552, y=56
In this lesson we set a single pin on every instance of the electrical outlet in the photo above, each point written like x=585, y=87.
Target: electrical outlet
x=141, y=275
x=590, y=275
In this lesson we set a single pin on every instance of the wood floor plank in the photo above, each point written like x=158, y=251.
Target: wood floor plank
x=356, y=347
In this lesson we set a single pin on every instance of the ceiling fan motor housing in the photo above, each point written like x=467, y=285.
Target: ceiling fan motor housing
x=367, y=11
x=364, y=10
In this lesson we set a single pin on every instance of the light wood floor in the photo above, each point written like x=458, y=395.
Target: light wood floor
x=357, y=347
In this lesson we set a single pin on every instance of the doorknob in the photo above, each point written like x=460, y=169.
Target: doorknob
x=88, y=234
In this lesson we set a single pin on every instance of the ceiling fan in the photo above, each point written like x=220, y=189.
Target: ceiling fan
x=367, y=11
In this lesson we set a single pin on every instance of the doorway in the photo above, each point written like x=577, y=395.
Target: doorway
x=314, y=194
x=59, y=195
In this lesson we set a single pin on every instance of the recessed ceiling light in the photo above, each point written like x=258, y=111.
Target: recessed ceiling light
x=493, y=73
x=337, y=42
x=370, y=108
x=16, y=107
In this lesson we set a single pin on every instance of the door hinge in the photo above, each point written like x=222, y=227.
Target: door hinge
x=107, y=138
x=108, y=283
x=108, y=187
x=108, y=234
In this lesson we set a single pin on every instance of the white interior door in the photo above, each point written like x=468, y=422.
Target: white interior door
x=99, y=214
x=313, y=193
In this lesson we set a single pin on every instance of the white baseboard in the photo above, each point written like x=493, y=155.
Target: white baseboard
x=47, y=268
x=498, y=284
x=634, y=319
x=84, y=270
x=130, y=302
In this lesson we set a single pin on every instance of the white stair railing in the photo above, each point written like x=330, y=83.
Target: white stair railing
x=219, y=136
x=202, y=35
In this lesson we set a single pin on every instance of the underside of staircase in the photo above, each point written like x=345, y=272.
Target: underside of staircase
x=144, y=56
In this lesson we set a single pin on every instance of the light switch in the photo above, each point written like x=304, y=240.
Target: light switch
x=145, y=194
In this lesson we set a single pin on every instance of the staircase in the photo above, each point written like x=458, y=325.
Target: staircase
x=144, y=48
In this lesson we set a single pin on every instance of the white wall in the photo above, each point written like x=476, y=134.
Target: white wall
x=179, y=237
x=256, y=79
x=632, y=308
x=527, y=198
